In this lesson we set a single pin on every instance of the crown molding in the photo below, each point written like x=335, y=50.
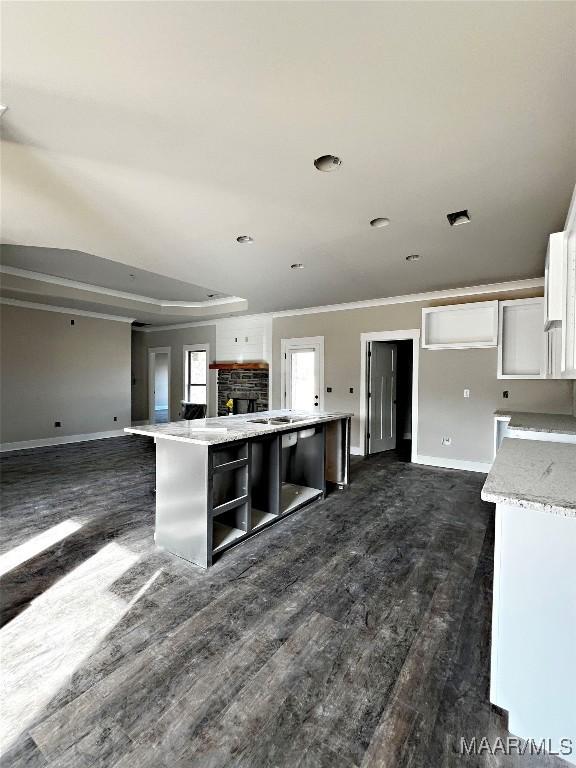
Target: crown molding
x=88, y=287
x=63, y=310
x=408, y=298
x=449, y=293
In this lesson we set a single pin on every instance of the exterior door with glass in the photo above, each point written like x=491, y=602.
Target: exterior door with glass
x=303, y=374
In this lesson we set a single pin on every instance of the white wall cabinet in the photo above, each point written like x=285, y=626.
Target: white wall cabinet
x=568, y=326
x=460, y=326
x=521, y=339
x=555, y=278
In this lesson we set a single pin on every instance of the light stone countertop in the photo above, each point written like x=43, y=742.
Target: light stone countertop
x=239, y=427
x=561, y=423
x=534, y=474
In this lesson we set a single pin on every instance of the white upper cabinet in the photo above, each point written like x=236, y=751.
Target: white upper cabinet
x=555, y=278
x=568, y=362
x=460, y=326
x=522, y=352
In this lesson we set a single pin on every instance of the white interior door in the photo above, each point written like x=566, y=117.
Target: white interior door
x=303, y=374
x=382, y=357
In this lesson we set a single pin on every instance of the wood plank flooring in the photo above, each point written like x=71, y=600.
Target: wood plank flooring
x=354, y=634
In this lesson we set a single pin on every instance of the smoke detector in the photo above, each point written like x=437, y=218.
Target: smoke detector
x=458, y=217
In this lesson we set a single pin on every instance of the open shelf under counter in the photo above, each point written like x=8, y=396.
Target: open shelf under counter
x=260, y=518
x=293, y=496
x=224, y=535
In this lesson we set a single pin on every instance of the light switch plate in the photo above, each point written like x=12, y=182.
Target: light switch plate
x=466, y=393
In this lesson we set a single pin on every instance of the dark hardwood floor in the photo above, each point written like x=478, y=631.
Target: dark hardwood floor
x=353, y=633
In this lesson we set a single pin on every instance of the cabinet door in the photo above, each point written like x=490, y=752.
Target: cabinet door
x=521, y=340
x=568, y=363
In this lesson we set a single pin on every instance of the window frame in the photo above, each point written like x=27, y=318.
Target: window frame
x=186, y=349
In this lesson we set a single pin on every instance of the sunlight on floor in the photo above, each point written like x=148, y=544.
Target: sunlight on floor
x=36, y=544
x=80, y=610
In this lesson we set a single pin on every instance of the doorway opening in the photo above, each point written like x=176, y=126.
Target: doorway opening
x=389, y=393
x=159, y=385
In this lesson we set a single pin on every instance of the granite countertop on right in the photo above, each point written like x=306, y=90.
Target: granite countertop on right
x=561, y=423
x=534, y=474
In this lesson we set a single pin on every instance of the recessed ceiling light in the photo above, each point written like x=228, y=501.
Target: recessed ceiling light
x=244, y=239
x=327, y=163
x=380, y=222
x=458, y=217
x=413, y=257
x=296, y=266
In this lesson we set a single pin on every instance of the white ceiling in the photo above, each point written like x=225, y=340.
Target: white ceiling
x=152, y=134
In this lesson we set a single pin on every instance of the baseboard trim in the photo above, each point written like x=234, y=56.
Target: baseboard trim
x=48, y=441
x=437, y=461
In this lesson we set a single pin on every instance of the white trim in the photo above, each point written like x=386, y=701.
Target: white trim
x=413, y=335
x=469, y=466
x=295, y=343
x=41, y=277
x=477, y=290
x=196, y=348
x=152, y=352
x=64, y=310
x=47, y=441
x=356, y=451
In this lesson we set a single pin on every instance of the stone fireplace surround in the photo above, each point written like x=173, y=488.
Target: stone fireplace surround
x=242, y=382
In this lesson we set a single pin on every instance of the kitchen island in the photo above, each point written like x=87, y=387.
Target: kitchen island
x=533, y=664
x=221, y=480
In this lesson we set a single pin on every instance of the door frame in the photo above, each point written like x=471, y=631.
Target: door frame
x=365, y=338
x=152, y=352
x=298, y=343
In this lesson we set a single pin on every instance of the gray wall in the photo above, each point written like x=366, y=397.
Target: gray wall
x=176, y=340
x=54, y=371
x=443, y=411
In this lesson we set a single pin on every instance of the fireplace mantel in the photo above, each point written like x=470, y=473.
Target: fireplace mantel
x=255, y=366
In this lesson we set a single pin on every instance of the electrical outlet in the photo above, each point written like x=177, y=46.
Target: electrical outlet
x=328, y=389
x=115, y=418
x=505, y=394
x=351, y=390
x=446, y=441
x=57, y=423
x=466, y=393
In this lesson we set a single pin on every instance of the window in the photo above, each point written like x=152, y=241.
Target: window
x=195, y=370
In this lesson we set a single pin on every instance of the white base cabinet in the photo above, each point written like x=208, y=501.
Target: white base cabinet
x=533, y=665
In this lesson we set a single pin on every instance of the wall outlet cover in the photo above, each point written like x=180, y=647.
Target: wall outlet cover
x=446, y=441
x=466, y=393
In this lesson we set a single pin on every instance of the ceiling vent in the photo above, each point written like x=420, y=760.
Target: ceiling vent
x=458, y=217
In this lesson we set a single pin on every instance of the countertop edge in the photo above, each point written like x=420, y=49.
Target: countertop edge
x=540, y=506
